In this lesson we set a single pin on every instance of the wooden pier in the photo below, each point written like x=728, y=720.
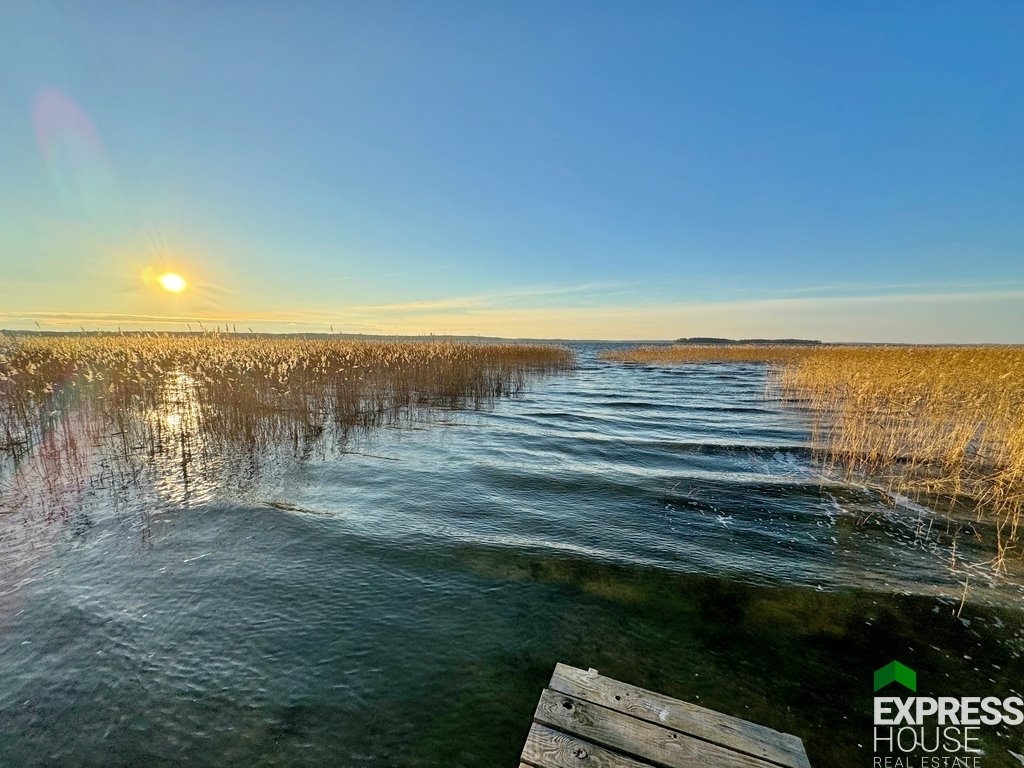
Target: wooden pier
x=584, y=720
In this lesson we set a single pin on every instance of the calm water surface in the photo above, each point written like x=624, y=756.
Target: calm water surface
x=403, y=604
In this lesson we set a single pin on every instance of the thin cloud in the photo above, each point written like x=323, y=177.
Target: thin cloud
x=492, y=299
x=950, y=286
x=960, y=317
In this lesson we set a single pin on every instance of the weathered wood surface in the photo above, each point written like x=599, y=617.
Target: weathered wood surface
x=554, y=749
x=724, y=730
x=584, y=719
x=631, y=735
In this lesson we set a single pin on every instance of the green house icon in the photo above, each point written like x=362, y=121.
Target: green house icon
x=894, y=672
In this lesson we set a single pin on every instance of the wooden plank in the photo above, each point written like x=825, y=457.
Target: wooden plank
x=635, y=737
x=731, y=732
x=548, y=748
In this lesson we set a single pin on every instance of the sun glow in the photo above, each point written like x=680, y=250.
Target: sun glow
x=173, y=282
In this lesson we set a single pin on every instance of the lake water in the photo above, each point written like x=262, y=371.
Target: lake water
x=404, y=603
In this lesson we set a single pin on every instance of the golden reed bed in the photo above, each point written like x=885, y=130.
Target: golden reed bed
x=81, y=410
x=941, y=421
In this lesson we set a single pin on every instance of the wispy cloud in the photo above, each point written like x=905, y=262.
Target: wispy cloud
x=523, y=298
x=961, y=317
x=266, y=321
x=520, y=296
x=875, y=288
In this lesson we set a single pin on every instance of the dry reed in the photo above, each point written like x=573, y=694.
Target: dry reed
x=71, y=403
x=925, y=421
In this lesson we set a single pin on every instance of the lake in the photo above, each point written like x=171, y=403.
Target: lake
x=401, y=599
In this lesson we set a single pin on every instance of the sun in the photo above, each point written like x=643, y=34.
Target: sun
x=173, y=282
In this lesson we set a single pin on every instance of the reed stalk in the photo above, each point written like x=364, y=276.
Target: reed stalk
x=924, y=421
x=118, y=401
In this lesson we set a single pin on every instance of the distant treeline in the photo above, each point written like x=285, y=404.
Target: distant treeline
x=714, y=340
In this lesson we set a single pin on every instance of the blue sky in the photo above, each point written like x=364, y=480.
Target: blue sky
x=848, y=171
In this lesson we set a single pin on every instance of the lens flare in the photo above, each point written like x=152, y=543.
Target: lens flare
x=173, y=282
x=74, y=155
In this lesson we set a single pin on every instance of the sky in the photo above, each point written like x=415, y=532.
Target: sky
x=846, y=171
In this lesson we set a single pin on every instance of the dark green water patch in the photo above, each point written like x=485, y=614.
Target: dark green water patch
x=795, y=658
